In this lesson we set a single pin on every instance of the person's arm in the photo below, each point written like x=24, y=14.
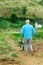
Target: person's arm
x=21, y=32
x=33, y=31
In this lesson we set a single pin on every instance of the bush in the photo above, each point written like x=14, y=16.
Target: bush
x=4, y=24
x=13, y=18
x=41, y=2
x=24, y=9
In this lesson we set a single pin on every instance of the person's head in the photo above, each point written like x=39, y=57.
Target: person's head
x=27, y=21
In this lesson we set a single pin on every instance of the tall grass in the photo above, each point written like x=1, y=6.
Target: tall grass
x=6, y=50
x=7, y=24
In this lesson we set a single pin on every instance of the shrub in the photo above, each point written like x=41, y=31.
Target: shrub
x=24, y=9
x=41, y=2
x=13, y=18
x=4, y=24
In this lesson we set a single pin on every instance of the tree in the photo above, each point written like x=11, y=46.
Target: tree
x=24, y=9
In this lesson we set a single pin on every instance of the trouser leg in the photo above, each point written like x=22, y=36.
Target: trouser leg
x=30, y=45
x=25, y=46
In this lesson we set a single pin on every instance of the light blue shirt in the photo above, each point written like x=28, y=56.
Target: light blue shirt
x=28, y=31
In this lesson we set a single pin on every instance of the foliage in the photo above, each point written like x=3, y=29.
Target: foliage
x=4, y=46
x=37, y=35
x=24, y=9
x=6, y=49
x=13, y=18
x=41, y=2
x=8, y=7
x=15, y=36
x=2, y=0
x=7, y=24
x=14, y=55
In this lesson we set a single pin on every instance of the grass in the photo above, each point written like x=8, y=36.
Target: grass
x=4, y=46
x=38, y=54
x=14, y=55
x=16, y=36
x=7, y=25
x=38, y=37
x=6, y=50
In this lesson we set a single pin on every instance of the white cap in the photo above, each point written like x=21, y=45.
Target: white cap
x=27, y=21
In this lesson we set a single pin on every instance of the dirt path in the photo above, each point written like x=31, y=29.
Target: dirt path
x=35, y=59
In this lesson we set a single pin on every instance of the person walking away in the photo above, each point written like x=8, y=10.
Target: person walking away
x=28, y=31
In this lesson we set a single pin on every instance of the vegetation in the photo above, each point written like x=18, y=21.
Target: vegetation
x=11, y=24
x=21, y=8
x=16, y=24
x=6, y=50
x=41, y=2
x=16, y=36
x=24, y=10
x=13, y=14
x=13, y=18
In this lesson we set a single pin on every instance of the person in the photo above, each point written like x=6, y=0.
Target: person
x=38, y=25
x=28, y=31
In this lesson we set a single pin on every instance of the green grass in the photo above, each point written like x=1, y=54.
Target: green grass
x=6, y=49
x=5, y=24
x=37, y=35
x=8, y=25
x=16, y=37
x=4, y=46
x=14, y=55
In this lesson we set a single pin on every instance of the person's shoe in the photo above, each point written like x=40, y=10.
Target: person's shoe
x=26, y=54
x=31, y=51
